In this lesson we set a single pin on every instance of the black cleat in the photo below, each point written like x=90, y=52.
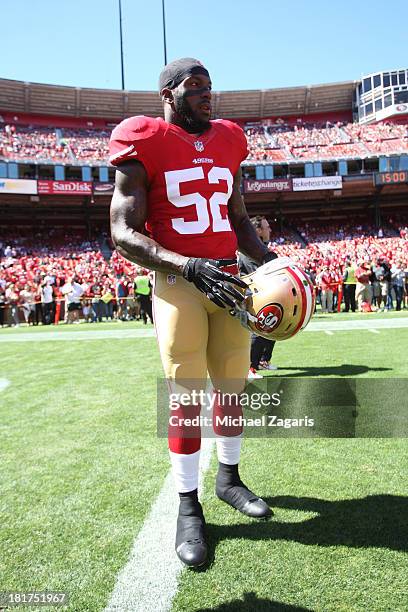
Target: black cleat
x=231, y=490
x=191, y=547
x=242, y=499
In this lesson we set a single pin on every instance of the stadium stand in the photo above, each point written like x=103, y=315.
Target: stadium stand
x=42, y=125
x=25, y=261
x=275, y=143
x=309, y=141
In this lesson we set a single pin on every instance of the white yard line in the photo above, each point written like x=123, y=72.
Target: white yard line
x=4, y=383
x=328, y=332
x=68, y=336
x=374, y=331
x=333, y=325
x=122, y=334
x=148, y=582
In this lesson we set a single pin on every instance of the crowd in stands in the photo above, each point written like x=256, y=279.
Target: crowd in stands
x=43, y=283
x=63, y=145
x=267, y=142
x=46, y=278
x=334, y=257
x=324, y=231
x=339, y=257
x=307, y=141
x=86, y=145
x=28, y=143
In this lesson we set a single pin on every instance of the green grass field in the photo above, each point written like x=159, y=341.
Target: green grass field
x=80, y=466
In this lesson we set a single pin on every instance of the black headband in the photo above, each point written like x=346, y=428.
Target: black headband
x=175, y=72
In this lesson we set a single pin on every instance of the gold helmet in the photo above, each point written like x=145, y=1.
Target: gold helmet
x=279, y=302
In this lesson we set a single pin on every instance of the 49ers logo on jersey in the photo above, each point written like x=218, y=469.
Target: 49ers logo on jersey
x=269, y=317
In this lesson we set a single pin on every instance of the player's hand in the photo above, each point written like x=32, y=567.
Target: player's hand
x=206, y=275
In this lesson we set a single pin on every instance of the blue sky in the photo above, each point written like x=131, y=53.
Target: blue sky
x=245, y=45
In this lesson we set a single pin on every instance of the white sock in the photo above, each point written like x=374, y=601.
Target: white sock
x=185, y=471
x=229, y=449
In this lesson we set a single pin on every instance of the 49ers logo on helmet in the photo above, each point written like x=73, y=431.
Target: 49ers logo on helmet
x=269, y=317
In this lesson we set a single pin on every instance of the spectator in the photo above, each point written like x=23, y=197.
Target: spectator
x=108, y=299
x=27, y=304
x=398, y=280
x=143, y=289
x=324, y=281
x=97, y=303
x=363, y=289
x=47, y=301
x=349, y=282
x=383, y=276
x=2, y=306
x=12, y=299
x=73, y=292
x=87, y=311
x=38, y=310
x=132, y=305
x=122, y=293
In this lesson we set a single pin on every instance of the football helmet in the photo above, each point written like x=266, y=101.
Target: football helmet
x=279, y=302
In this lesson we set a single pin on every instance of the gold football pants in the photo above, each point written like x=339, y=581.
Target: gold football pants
x=195, y=336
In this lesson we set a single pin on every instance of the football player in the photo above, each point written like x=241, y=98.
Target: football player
x=177, y=209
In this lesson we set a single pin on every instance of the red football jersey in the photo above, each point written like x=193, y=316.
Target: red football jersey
x=190, y=181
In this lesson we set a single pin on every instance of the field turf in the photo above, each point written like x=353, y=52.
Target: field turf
x=80, y=466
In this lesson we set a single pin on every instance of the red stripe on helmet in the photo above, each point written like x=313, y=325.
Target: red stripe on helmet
x=303, y=274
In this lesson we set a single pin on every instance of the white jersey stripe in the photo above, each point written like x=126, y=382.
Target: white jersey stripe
x=122, y=153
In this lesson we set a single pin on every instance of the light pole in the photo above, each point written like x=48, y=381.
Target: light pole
x=121, y=45
x=164, y=33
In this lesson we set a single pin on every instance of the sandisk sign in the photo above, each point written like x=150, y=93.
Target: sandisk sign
x=64, y=188
x=266, y=185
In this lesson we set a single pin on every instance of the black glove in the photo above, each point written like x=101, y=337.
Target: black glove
x=208, y=278
x=269, y=256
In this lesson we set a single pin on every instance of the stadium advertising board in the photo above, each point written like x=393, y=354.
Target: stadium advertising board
x=391, y=178
x=315, y=183
x=103, y=188
x=266, y=185
x=64, y=188
x=25, y=186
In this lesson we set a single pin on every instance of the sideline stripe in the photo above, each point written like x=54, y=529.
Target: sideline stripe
x=71, y=336
x=4, y=383
x=374, y=331
x=149, y=579
x=328, y=332
x=119, y=334
x=333, y=325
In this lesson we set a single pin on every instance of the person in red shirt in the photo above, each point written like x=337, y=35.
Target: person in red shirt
x=325, y=282
x=363, y=289
x=177, y=209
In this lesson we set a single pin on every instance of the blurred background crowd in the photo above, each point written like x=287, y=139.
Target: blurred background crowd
x=267, y=141
x=48, y=277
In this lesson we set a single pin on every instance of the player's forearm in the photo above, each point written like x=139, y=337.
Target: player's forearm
x=145, y=252
x=248, y=241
